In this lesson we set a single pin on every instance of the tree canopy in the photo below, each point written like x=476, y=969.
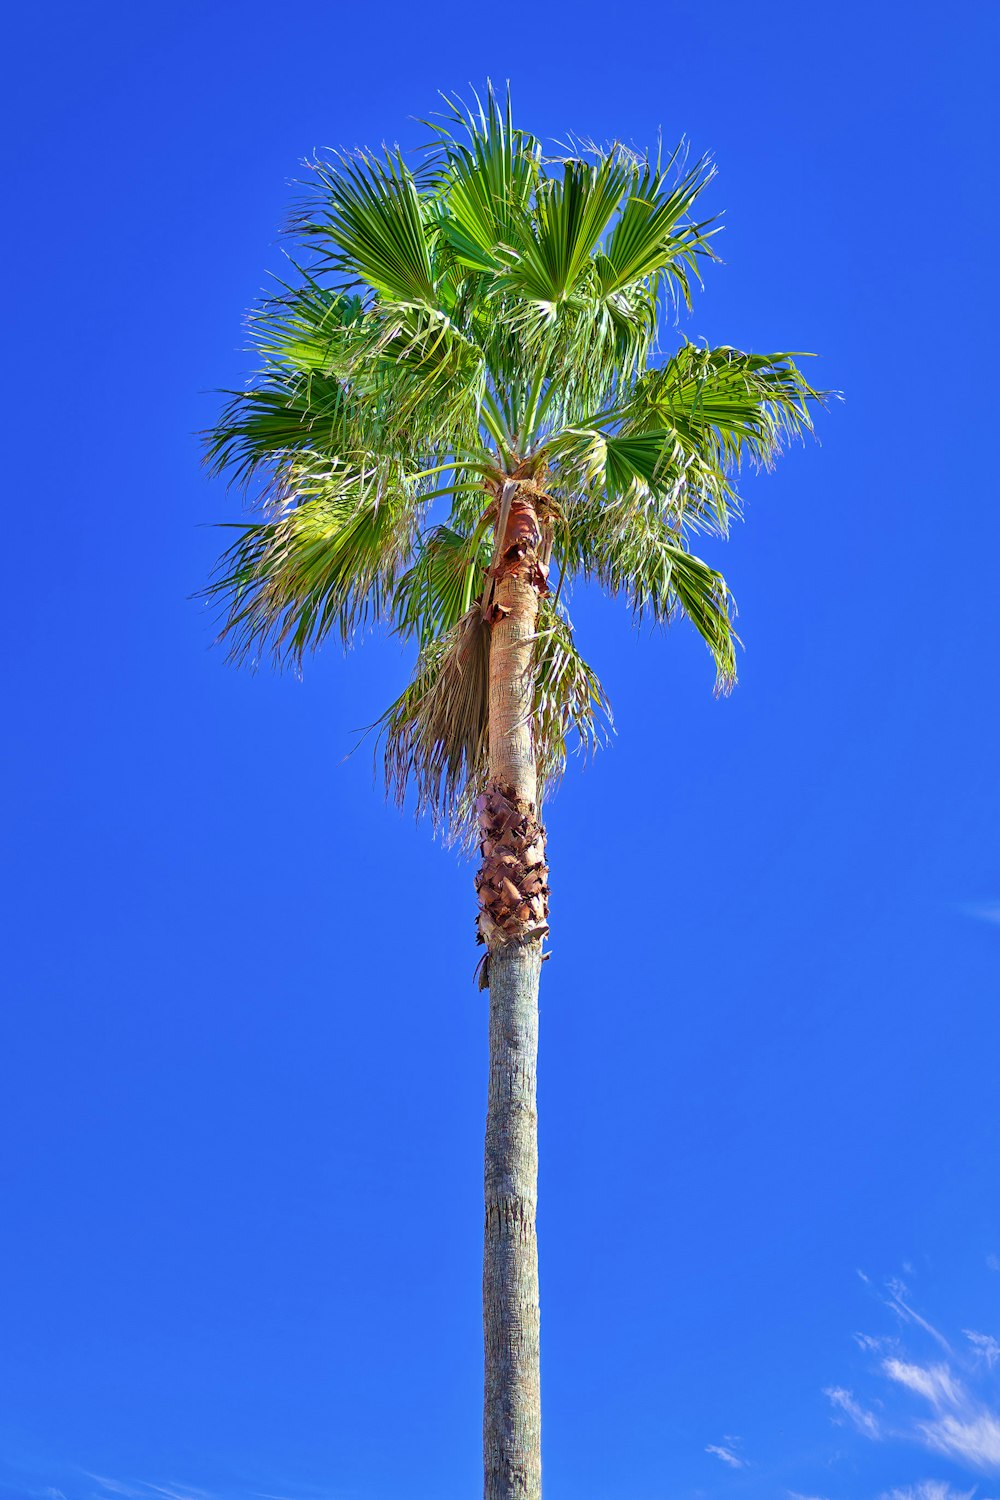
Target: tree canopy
x=483, y=322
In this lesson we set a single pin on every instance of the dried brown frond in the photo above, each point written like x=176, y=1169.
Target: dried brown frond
x=436, y=731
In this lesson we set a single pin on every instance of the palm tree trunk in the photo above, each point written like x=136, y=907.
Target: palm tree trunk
x=512, y=1451
x=512, y=893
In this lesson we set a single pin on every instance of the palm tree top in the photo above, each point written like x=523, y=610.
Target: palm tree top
x=482, y=327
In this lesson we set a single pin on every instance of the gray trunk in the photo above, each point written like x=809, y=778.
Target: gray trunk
x=513, y=900
x=512, y=1457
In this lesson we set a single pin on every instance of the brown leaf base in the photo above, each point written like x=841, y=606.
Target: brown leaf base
x=513, y=880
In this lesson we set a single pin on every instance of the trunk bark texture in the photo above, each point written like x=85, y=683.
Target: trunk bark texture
x=512, y=1448
x=513, y=891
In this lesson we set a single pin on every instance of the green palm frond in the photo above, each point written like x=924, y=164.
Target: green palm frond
x=308, y=328
x=684, y=429
x=650, y=459
x=305, y=401
x=703, y=597
x=725, y=403
x=431, y=374
x=439, y=587
x=553, y=247
x=626, y=470
x=654, y=238
x=264, y=427
x=483, y=179
x=329, y=563
x=369, y=224
x=631, y=549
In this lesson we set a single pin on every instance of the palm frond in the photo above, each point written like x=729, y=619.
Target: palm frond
x=631, y=549
x=571, y=708
x=636, y=469
x=725, y=403
x=308, y=327
x=683, y=431
x=446, y=576
x=308, y=407
x=435, y=734
x=328, y=564
x=483, y=179
x=553, y=247
x=368, y=223
x=654, y=238
x=429, y=375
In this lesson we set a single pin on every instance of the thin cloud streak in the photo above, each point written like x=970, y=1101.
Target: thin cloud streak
x=962, y=1427
x=928, y=1489
x=984, y=911
x=896, y=1300
x=935, y=1382
x=960, y=1418
x=870, y=1344
x=728, y=1457
x=985, y=1345
x=865, y=1421
x=147, y=1490
x=972, y=1437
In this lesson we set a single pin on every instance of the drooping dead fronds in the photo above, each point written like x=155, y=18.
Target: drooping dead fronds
x=436, y=731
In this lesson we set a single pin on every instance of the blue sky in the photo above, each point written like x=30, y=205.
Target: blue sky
x=242, y=1062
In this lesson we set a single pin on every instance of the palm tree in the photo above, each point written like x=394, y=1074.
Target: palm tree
x=480, y=327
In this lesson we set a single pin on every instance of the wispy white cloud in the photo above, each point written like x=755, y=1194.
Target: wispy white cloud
x=971, y=1436
x=865, y=1421
x=898, y=1293
x=985, y=1346
x=928, y=1489
x=302, y=1492
x=958, y=1415
x=108, y=1487
x=797, y=1495
x=727, y=1455
x=993, y=1262
x=267, y=1494
x=934, y=1382
x=983, y=911
x=179, y=1492
x=963, y=1427
x=870, y=1344
x=147, y=1490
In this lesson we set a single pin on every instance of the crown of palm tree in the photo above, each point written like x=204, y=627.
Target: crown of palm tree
x=481, y=328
